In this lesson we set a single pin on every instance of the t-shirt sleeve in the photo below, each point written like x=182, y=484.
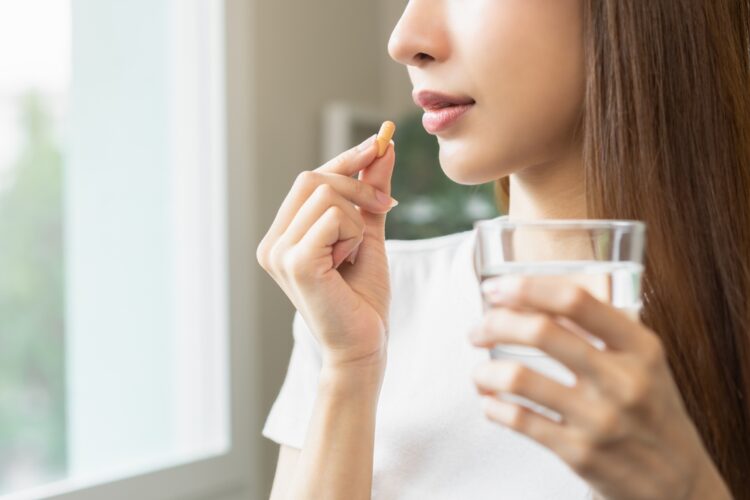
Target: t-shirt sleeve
x=291, y=411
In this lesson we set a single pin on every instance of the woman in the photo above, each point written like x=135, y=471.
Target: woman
x=580, y=109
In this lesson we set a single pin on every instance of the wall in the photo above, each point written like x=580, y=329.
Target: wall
x=395, y=79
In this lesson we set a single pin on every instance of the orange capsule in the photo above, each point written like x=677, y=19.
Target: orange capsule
x=387, y=129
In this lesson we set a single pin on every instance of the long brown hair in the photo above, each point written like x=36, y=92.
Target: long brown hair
x=666, y=140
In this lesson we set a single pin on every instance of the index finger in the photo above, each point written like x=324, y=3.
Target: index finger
x=613, y=326
x=352, y=160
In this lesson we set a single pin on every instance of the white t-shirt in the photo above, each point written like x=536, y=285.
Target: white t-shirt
x=432, y=440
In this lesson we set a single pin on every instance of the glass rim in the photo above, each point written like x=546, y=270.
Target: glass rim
x=505, y=223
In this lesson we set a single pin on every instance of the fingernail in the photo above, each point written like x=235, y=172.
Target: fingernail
x=366, y=144
x=501, y=288
x=353, y=255
x=385, y=199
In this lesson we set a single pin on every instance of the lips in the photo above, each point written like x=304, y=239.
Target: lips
x=441, y=110
x=430, y=100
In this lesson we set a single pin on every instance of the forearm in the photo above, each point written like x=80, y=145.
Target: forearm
x=336, y=458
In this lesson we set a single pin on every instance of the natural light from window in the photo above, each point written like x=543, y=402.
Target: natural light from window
x=113, y=329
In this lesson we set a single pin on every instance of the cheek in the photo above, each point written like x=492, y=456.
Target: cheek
x=524, y=59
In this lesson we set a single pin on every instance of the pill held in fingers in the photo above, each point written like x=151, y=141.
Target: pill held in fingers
x=385, y=135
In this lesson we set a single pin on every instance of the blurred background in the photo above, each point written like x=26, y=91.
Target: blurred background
x=145, y=146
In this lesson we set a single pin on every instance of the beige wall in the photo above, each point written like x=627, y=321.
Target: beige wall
x=306, y=54
x=396, y=85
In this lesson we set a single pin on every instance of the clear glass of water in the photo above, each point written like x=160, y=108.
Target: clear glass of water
x=603, y=256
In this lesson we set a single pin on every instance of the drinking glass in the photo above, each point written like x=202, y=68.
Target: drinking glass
x=603, y=256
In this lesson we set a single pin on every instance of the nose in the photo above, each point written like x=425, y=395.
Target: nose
x=420, y=36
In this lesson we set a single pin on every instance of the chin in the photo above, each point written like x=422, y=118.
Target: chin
x=466, y=165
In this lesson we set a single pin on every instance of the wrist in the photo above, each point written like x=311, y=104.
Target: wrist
x=362, y=374
x=360, y=365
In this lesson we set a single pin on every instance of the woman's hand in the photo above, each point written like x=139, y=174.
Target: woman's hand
x=624, y=427
x=326, y=217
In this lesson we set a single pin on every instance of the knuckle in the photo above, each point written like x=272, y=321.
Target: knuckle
x=607, y=425
x=635, y=392
x=305, y=179
x=575, y=300
x=583, y=457
x=324, y=192
x=335, y=212
x=540, y=329
x=518, y=378
x=275, y=259
x=261, y=254
x=590, y=357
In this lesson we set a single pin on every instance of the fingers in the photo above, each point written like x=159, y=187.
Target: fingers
x=337, y=174
x=314, y=207
x=501, y=325
x=498, y=376
x=313, y=255
x=613, y=327
x=572, y=445
x=379, y=175
x=525, y=421
x=307, y=182
x=353, y=160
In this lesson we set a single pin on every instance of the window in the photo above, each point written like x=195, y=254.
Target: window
x=34, y=88
x=114, y=298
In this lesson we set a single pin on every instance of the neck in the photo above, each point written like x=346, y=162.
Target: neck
x=552, y=190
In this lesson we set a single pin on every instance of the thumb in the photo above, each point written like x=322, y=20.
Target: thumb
x=379, y=175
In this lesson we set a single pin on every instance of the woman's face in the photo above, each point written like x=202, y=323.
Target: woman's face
x=520, y=61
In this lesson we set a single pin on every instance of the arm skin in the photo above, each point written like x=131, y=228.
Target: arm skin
x=336, y=459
